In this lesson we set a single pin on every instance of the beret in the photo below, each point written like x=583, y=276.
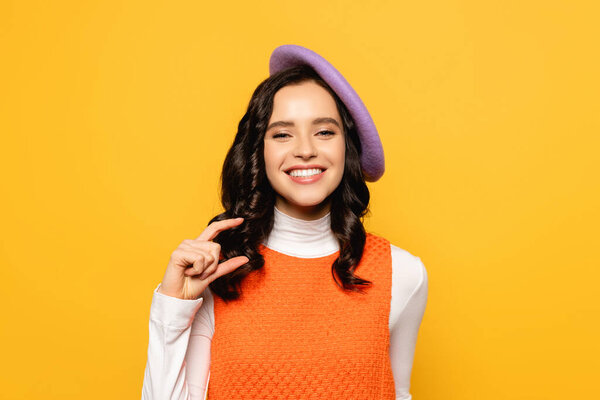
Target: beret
x=371, y=159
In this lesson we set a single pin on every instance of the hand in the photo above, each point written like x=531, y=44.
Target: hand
x=195, y=263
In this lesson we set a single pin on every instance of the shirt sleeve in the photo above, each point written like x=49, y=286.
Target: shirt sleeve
x=410, y=297
x=170, y=327
x=198, y=352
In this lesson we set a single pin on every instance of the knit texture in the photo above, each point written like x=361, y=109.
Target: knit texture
x=294, y=334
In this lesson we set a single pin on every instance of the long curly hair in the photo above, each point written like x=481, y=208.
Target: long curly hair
x=246, y=192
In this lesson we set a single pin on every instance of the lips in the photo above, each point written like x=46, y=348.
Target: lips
x=305, y=180
x=309, y=166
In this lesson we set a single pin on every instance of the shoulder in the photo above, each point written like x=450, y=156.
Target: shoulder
x=402, y=258
x=409, y=281
x=408, y=265
x=409, y=274
x=409, y=290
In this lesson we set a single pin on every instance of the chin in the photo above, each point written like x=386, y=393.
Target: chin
x=306, y=202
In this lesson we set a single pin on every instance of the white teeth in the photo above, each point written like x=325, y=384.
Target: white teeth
x=305, y=172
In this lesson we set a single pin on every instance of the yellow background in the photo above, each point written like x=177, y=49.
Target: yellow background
x=115, y=118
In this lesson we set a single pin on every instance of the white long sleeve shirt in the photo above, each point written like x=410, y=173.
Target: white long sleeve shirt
x=180, y=331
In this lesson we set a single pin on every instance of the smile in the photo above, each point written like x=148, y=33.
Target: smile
x=305, y=172
x=309, y=175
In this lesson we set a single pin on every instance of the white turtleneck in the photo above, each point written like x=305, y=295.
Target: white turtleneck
x=180, y=331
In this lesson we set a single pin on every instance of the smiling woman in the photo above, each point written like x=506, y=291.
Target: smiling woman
x=282, y=132
x=294, y=299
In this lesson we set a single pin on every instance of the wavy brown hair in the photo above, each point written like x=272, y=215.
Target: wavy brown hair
x=246, y=191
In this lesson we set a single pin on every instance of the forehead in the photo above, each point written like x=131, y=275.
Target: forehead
x=303, y=101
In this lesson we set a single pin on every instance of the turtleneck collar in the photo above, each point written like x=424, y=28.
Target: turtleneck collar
x=302, y=238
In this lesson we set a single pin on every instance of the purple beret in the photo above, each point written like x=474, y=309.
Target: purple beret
x=291, y=55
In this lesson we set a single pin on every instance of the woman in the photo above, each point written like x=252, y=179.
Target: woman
x=284, y=295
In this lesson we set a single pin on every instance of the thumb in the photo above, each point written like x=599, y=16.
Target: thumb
x=228, y=266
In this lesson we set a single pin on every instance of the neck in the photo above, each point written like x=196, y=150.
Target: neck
x=301, y=238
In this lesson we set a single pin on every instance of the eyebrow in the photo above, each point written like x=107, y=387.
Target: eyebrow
x=316, y=121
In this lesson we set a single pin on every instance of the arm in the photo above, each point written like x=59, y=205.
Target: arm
x=198, y=352
x=409, y=300
x=170, y=327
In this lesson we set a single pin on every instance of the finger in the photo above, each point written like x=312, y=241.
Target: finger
x=228, y=266
x=210, y=266
x=184, y=257
x=197, y=264
x=215, y=227
x=200, y=245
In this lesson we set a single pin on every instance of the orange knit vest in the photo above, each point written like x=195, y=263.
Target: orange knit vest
x=294, y=334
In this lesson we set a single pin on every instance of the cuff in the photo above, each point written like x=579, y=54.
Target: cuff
x=172, y=311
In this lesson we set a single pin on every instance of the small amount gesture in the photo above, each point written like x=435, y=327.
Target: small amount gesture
x=195, y=263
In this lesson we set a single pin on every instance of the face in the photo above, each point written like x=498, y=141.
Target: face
x=304, y=149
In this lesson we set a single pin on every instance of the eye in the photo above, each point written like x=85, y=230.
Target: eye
x=327, y=133
x=278, y=135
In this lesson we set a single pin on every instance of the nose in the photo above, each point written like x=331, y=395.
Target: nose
x=305, y=148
